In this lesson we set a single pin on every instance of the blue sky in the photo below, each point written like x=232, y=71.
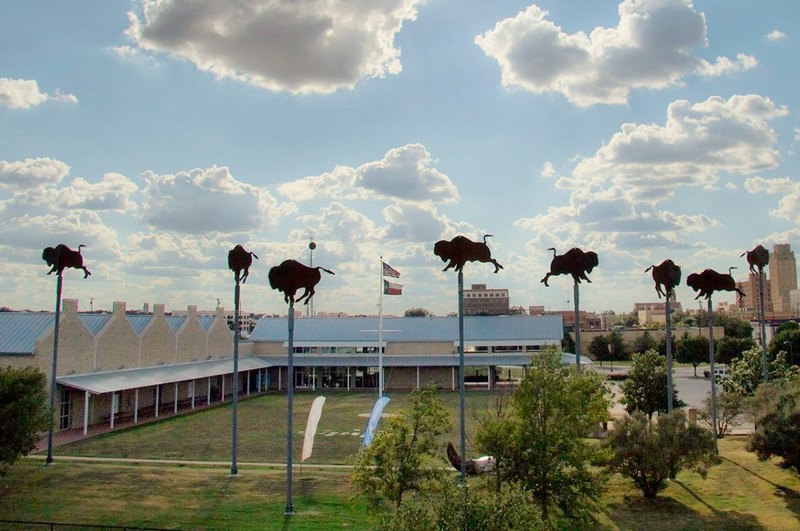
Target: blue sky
x=161, y=134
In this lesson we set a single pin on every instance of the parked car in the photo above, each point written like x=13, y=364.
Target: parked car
x=719, y=373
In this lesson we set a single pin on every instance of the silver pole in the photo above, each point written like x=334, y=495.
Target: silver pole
x=290, y=393
x=669, y=351
x=713, y=377
x=49, y=460
x=461, y=374
x=577, y=328
x=235, y=412
x=764, y=363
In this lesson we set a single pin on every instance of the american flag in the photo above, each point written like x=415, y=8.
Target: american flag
x=389, y=271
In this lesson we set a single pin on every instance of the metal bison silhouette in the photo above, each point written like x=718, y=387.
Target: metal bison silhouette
x=574, y=262
x=61, y=257
x=710, y=281
x=757, y=258
x=291, y=275
x=239, y=261
x=666, y=275
x=461, y=250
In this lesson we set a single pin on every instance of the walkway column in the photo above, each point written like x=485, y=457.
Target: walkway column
x=208, y=389
x=176, y=398
x=136, y=406
x=85, y=412
x=112, y=410
x=192, y=384
x=417, y=376
x=158, y=392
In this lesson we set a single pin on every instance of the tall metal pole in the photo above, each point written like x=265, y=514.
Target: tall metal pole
x=669, y=351
x=764, y=364
x=49, y=460
x=713, y=376
x=577, y=328
x=380, y=335
x=234, y=421
x=461, y=375
x=290, y=394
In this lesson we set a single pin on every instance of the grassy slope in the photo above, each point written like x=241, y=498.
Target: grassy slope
x=742, y=493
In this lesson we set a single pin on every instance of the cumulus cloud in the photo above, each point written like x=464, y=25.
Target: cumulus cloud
x=548, y=170
x=789, y=190
x=697, y=142
x=31, y=173
x=404, y=174
x=313, y=46
x=776, y=35
x=415, y=222
x=111, y=193
x=651, y=47
x=25, y=93
x=210, y=200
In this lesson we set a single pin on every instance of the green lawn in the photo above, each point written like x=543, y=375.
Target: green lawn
x=741, y=493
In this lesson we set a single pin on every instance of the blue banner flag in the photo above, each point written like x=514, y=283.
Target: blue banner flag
x=374, y=419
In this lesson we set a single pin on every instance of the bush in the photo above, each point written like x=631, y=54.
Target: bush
x=778, y=424
x=651, y=452
x=24, y=412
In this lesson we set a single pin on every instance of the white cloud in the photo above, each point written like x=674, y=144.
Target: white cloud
x=797, y=134
x=313, y=46
x=776, y=35
x=548, y=170
x=789, y=190
x=404, y=174
x=697, y=142
x=200, y=201
x=24, y=94
x=111, y=193
x=649, y=48
x=415, y=222
x=31, y=173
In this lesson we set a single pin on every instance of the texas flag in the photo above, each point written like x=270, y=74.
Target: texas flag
x=390, y=288
x=389, y=271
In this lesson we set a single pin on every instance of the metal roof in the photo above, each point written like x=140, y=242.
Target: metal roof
x=94, y=322
x=443, y=360
x=113, y=381
x=175, y=321
x=139, y=322
x=206, y=321
x=358, y=331
x=20, y=330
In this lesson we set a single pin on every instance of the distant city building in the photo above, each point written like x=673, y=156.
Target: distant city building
x=783, y=276
x=482, y=301
x=589, y=320
x=654, y=312
x=536, y=310
x=750, y=302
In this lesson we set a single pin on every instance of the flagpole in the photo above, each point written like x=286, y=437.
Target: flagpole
x=380, y=336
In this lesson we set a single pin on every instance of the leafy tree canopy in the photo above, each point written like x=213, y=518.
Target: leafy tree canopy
x=645, y=389
x=418, y=312
x=24, y=412
x=778, y=424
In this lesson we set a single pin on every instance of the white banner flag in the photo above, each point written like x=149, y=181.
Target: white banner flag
x=311, y=426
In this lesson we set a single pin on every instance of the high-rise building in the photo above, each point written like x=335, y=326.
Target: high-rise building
x=750, y=303
x=482, y=301
x=783, y=276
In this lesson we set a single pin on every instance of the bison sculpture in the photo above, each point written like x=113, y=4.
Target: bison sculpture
x=574, y=262
x=710, y=281
x=757, y=259
x=461, y=250
x=61, y=257
x=239, y=261
x=291, y=275
x=666, y=275
x=480, y=465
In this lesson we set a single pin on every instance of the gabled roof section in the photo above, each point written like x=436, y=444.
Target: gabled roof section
x=175, y=321
x=206, y=321
x=20, y=330
x=361, y=330
x=139, y=322
x=94, y=322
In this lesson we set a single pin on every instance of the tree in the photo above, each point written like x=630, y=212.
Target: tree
x=692, y=349
x=727, y=348
x=541, y=443
x=729, y=408
x=402, y=456
x=733, y=326
x=617, y=344
x=747, y=372
x=787, y=339
x=567, y=344
x=651, y=452
x=24, y=412
x=645, y=342
x=778, y=426
x=598, y=348
x=645, y=389
x=418, y=312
